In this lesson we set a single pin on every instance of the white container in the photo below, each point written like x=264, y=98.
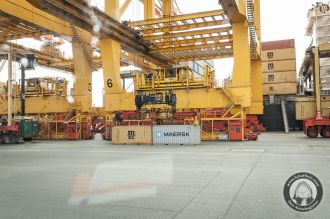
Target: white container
x=177, y=134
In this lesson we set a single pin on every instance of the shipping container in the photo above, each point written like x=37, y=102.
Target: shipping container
x=279, y=77
x=305, y=108
x=278, y=54
x=276, y=66
x=177, y=134
x=278, y=44
x=281, y=88
x=132, y=135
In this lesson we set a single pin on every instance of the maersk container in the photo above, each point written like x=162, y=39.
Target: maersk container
x=177, y=134
x=132, y=135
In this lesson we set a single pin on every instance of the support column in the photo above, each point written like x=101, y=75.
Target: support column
x=149, y=9
x=241, y=81
x=115, y=98
x=256, y=83
x=10, y=89
x=168, y=8
x=110, y=51
x=83, y=78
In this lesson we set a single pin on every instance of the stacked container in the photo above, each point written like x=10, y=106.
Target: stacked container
x=177, y=134
x=132, y=135
x=279, y=67
x=319, y=29
x=162, y=134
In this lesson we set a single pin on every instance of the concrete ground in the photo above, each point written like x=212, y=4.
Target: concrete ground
x=94, y=179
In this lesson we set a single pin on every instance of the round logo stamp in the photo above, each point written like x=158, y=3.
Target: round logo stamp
x=303, y=191
x=324, y=8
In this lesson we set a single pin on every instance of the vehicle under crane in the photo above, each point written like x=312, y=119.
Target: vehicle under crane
x=316, y=110
x=233, y=31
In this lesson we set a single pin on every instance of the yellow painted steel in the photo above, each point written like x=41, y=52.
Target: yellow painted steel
x=244, y=91
x=83, y=77
x=115, y=98
x=21, y=9
x=241, y=78
x=176, y=78
x=256, y=83
x=168, y=8
x=149, y=9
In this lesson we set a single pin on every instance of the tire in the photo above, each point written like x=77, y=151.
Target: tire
x=325, y=132
x=13, y=139
x=312, y=132
x=27, y=139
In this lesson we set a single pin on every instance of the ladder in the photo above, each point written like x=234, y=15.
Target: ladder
x=252, y=29
x=83, y=45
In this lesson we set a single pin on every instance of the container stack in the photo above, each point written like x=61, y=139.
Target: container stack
x=319, y=29
x=279, y=67
x=161, y=134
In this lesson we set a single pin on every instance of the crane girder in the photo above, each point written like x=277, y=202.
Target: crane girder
x=83, y=15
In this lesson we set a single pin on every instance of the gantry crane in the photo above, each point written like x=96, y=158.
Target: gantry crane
x=151, y=44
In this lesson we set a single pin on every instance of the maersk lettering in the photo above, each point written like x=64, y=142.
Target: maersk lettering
x=176, y=134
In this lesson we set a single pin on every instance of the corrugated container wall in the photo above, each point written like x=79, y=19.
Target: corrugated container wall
x=279, y=67
x=177, y=134
x=132, y=135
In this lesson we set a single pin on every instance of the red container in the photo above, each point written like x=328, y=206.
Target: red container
x=235, y=131
x=279, y=44
x=72, y=131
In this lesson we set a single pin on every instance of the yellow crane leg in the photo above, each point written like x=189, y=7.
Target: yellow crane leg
x=241, y=80
x=256, y=82
x=149, y=9
x=168, y=8
x=83, y=77
x=115, y=98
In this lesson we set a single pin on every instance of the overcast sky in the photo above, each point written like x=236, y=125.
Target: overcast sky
x=281, y=19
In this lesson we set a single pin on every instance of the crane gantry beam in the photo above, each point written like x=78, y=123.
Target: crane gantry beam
x=22, y=15
x=78, y=13
x=82, y=15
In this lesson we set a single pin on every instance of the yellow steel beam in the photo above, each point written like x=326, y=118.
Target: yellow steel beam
x=193, y=47
x=192, y=41
x=208, y=57
x=149, y=9
x=110, y=52
x=168, y=8
x=44, y=59
x=241, y=79
x=187, y=33
x=83, y=77
x=124, y=7
x=78, y=13
x=183, y=27
x=234, y=9
x=177, y=18
x=21, y=11
x=20, y=36
x=257, y=18
x=24, y=11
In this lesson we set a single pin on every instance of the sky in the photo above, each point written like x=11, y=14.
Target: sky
x=280, y=19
